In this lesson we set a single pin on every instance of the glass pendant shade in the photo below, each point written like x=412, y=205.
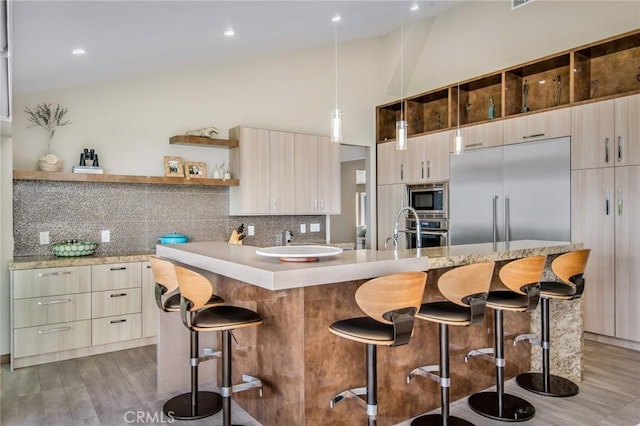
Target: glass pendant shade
x=458, y=146
x=336, y=126
x=401, y=135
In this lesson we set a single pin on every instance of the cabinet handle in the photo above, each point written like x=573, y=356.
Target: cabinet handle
x=118, y=295
x=606, y=150
x=54, y=330
x=620, y=193
x=118, y=268
x=472, y=145
x=148, y=266
x=607, y=195
x=401, y=171
x=51, y=274
x=619, y=148
x=422, y=170
x=321, y=203
x=315, y=204
x=54, y=302
x=273, y=204
x=118, y=321
x=428, y=169
x=537, y=135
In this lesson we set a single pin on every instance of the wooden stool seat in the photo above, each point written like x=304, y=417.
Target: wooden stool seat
x=521, y=277
x=569, y=268
x=391, y=303
x=465, y=288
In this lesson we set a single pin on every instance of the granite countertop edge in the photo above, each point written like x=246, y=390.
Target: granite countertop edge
x=36, y=262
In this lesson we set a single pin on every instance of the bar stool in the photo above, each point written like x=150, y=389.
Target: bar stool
x=196, y=290
x=391, y=303
x=194, y=404
x=569, y=267
x=466, y=289
x=522, y=277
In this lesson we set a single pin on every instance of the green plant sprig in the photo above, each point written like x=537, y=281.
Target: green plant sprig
x=45, y=116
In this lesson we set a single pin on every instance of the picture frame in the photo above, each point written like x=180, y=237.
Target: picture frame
x=173, y=167
x=195, y=169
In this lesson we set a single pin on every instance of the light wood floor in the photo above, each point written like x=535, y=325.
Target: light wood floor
x=102, y=389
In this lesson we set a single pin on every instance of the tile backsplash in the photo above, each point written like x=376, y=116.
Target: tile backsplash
x=136, y=215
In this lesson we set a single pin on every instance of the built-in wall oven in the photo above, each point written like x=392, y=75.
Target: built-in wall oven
x=431, y=202
x=434, y=232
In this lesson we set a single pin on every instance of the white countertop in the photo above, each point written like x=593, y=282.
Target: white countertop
x=241, y=262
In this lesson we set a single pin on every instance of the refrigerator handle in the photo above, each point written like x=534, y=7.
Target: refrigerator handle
x=495, y=222
x=506, y=223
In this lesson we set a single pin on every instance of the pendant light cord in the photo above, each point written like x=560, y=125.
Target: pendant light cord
x=335, y=53
x=401, y=66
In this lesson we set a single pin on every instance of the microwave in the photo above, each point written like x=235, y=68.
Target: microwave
x=429, y=200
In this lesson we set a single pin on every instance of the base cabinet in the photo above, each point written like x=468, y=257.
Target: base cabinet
x=61, y=313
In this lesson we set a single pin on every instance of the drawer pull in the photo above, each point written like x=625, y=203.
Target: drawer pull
x=54, y=330
x=54, y=302
x=148, y=266
x=120, y=268
x=537, y=135
x=117, y=294
x=471, y=145
x=51, y=274
x=118, y=321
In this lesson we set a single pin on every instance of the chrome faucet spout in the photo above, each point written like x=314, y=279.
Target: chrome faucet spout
x=418, y=226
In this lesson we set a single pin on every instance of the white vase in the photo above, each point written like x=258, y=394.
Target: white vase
x=49, y=163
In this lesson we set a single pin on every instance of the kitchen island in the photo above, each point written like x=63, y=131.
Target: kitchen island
x=302, y=365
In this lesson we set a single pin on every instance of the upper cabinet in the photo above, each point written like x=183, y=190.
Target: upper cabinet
x=606, y=134
x=600, y=70
x=480, y=136
x=285, y=173
x=532, y=127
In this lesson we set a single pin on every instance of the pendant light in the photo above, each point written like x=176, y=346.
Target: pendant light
x=336, y=115
x=401, y=125
x=458, y=145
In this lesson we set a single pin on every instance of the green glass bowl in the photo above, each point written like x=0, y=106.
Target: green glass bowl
x=81, y=248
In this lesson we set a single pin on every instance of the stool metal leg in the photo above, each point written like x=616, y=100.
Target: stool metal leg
x=545, y=383
x=372, y=384
x=499, y=405
x=444, y=379
x=195, y=404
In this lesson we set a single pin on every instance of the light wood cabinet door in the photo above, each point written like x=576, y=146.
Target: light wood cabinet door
x=592, y=223
x=281, y=157
x=306, y=173
x=115, y=276
x=417, y=165
x=329, y=176
x=391, y=198
x=150, y=310
x=592, y=135
x=438, y=156
x=627, y=250
x=51, y=281
x=480, y=136
x=533, y=127
x=250, y=163
x=627, y=130
x=392, y=167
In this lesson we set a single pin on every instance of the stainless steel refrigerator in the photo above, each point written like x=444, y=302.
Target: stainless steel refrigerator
x=512, y=192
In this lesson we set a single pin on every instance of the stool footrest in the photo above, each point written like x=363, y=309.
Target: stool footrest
x=249, y=382
x=484, y=353
x=428, y=372
x=349, y=394
x=531, y=338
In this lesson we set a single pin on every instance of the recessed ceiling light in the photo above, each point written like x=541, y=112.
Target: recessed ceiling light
x=415, y=7
x=336, y=18
x=78, y=52
x=230, y=32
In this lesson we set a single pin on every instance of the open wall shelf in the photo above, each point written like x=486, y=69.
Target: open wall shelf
x=604, y=69
x=90, y=177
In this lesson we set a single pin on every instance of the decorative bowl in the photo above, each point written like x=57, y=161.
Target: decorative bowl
x=173, y=239
x=81, y=248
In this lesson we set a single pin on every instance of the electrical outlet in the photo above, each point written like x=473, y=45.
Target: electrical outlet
x=315, y=227
x=251, y=230
x=44, y=237
x=106, y=236
x=303, y=228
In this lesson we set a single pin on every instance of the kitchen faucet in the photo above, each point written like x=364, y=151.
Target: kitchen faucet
x=418, y=227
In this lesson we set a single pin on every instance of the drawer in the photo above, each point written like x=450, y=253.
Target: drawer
x=539, y=126
x=51, y=338
x=51, y=281
x=116, y=329
x=51, y=310
x=115, y=302
x=115, y=276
